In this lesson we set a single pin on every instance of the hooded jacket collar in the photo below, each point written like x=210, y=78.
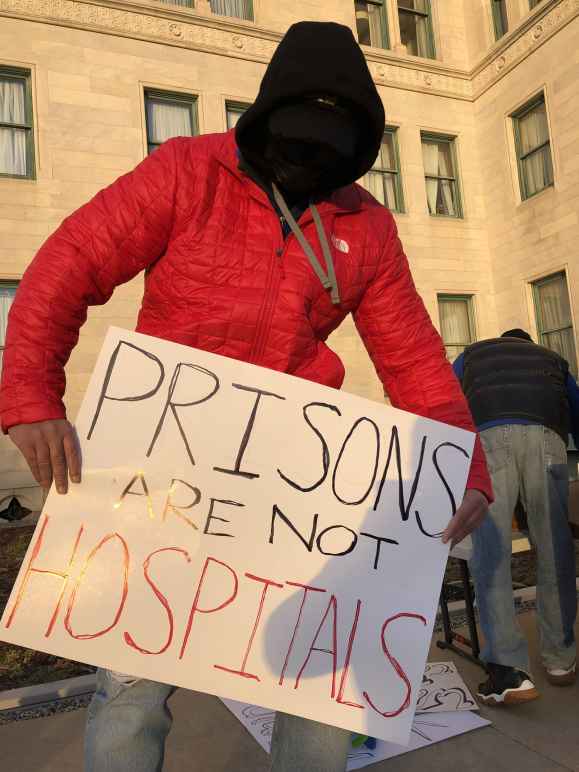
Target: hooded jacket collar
x=345, y=200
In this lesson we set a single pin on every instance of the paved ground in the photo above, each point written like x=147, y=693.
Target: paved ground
x=539, y=737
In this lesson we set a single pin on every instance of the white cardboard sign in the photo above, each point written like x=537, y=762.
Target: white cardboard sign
x=248, y=534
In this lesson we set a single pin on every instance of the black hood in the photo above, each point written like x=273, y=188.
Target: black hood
x=313, y=59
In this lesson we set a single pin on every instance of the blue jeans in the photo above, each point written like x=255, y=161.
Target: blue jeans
x=530, y=462
x=129, y=720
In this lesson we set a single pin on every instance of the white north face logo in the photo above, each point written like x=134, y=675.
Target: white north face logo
x=340, y=244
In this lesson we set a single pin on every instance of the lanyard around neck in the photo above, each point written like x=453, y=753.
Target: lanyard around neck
x=328, y=280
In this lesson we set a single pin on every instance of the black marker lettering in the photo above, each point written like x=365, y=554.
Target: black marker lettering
x=442, y=477
x=395, y=445
x=128, y=491
x=325, y=450
x=169, y=404
x=211, y=516
x=376, y=459
x=446, y=487
x=379, y=541
x=308, y=544
x=170, y=506
x=247, y=433
x=107, y=379
x=333, y=528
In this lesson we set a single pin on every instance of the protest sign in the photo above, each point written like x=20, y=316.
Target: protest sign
x=248, y=534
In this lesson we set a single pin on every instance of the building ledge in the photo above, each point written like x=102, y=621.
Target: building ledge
x=198, y=29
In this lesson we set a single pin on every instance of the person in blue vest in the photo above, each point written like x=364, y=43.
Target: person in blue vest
x=525, y=403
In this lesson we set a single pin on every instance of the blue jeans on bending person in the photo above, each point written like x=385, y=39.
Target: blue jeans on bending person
x=129, y=720
x=531, y=462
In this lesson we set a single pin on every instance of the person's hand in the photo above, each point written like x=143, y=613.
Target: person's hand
x=51, y=450
x=468, y=516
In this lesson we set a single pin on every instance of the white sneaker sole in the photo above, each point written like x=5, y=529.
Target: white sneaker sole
x=526, y=692
x=562, y=677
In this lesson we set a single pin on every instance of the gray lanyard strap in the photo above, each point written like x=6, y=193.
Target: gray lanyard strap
x=328, y=280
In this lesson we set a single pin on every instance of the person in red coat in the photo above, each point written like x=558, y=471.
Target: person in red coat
x=255, y=244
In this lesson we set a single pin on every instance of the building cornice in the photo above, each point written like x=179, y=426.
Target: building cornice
x=415, y=74
x=547, y=20
x=198, y=30
x=150, y=21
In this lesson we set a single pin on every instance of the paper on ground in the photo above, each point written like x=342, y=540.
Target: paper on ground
x=426, y=730
x=443, y=689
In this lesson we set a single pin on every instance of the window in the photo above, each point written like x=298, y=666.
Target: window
x=456, y=323
x=500, y=19
x=234, y=111
x=440, y=169
x=372, y=24
x=7, y=292
x=553, y=314
x=533, y=147
x=383, y=180
x=186, y=3
x=16, y=135
x=416, y=34
x=240, y=9
x=169, y=115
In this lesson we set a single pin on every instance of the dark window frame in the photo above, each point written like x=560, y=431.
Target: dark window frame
x=235, y=104
x=521, y=157
x=431, y=53
x=182, y=4
x=542, y=332
x=468, y=300
x=384, y=27
x=191, y=4
x=9, y=283
x=430, y=136
x=174, y=97
x=500, y=18
x=392, y=131
x=250, y=17
x=19, y=74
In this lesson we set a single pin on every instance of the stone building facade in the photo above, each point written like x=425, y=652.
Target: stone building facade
x=479, y=161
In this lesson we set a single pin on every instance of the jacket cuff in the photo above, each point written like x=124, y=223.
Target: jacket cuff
x=479, y=478
x=31, y=414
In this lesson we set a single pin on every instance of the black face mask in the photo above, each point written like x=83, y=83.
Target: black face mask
x=300, y=168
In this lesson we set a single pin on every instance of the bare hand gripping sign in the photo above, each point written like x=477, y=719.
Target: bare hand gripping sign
x=248, y=534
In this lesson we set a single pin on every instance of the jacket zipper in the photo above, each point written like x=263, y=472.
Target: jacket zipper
x=271, y=289
x=266, y=312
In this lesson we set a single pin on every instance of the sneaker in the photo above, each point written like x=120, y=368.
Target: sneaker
x=14, y=511
x=562, y=677
x=506, y=686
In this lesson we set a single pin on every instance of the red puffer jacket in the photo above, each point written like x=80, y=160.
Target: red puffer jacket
x=220, y=277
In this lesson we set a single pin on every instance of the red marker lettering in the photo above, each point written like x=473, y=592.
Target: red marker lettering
x=80, y=580
x=267, y=583
x=333, y=651
x=64, y=576
x=129, y=640
x=195, y=607
x=345, y=672
x=397, y=667
x=306, y=588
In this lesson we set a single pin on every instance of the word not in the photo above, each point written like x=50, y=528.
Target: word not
x=320, y=539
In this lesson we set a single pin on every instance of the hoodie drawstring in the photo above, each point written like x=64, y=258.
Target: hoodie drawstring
x=328, y=280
